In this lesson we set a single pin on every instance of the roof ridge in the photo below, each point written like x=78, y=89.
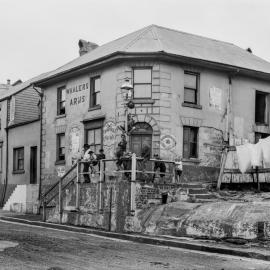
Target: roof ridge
x=144, y=31
x=190, y=34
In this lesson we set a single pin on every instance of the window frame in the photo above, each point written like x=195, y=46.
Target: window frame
x=197, y=90
x=266, y=96
x=58, y=141
x=95, y=144
x=196, y=129
x=151, y=83
x=93, y=93
x=16, y=165
x=60, y=101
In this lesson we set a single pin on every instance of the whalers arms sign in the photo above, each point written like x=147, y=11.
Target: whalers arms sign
x=76, y=89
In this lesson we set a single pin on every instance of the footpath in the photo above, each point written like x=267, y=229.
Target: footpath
x=250, y=249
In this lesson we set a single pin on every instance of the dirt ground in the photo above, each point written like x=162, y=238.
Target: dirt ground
x=40, y=248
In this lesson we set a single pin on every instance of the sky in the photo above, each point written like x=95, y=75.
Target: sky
x=37, y=36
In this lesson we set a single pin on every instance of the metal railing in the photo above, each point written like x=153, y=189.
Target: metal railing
x=132, y=169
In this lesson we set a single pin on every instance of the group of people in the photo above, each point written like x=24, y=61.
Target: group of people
x=90, y=161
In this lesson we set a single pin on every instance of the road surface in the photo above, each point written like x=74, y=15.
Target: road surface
x=29, y=247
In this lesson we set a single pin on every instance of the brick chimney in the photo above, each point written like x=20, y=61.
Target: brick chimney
x=86, y=46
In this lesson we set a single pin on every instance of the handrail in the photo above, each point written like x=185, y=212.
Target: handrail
x=57, y=183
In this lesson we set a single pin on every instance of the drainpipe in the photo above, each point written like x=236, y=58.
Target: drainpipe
x=7, y=158
x=41, y=94
x=229, y=110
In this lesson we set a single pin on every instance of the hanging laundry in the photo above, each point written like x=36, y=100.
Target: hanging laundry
x=265, y=144
x=256, y=154
x=244, y=157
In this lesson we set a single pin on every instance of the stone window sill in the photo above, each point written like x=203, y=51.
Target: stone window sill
x=97, y=107
x=18, y=172
x=194, y=106
x=60, y=162
x=60, y=116
x=143, y=101
x=191, y=160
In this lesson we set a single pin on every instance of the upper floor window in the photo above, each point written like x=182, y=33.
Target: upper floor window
x=95, y=91
x=261, y=107
x=190, y=142
x=60, y=147
x=191, y=85
x=18, y=159
x=142, y=82
x=61, y=100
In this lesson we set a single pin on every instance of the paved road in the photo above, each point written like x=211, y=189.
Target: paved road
x=27, y=247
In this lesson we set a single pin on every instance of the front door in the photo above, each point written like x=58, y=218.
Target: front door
x=137, y=141
x=33, y=165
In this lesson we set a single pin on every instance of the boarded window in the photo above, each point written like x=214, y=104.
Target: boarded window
x=142, y=82
x=190, y=141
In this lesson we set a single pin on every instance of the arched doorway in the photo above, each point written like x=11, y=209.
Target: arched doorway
x=141, y=134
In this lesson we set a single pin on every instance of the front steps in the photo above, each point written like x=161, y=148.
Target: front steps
x=24, y=199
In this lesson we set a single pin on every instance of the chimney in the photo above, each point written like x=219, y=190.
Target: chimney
x=249, y=50
x=8, y=81
x=86, y=46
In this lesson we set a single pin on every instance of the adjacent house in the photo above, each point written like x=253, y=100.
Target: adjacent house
x=191, y=94
x=20, y=147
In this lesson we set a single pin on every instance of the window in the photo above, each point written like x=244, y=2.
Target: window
x=261, y=107
x=142, y=82
x=190, y=141
x=93, y=138
x=95, y=92
x=18, y=159
x=61, y=142
x=61, y=100
x=259, y=136
x=191, y=83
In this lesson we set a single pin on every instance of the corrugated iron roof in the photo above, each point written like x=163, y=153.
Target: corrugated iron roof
x=155, y=38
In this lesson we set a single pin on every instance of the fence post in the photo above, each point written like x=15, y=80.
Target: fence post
x=101, y=178
x=174, y=175
x=133, y=184
x=78, y=182
x=60, y=201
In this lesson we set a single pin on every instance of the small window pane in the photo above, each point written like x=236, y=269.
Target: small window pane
x=142, y=75
x=142, y=91
x=63, y=94
x=97, y=98
x=190, y=81
x=97, y=136
x=62, y=141
x=91, y=138
x=190, y=96
x=97, y=85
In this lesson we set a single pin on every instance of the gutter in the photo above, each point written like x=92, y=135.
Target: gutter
x=120, y=56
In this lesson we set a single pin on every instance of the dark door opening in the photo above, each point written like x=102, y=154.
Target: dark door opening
x=33, y=165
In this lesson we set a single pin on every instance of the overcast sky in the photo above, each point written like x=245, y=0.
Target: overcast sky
x=40, y=35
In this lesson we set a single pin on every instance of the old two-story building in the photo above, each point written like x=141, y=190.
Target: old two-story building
x=20, y=147
x=191, y=94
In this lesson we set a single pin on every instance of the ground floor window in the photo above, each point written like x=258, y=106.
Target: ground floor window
x=60, y=145
x=94, y=139
x=190, y=142
x=18, y=159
